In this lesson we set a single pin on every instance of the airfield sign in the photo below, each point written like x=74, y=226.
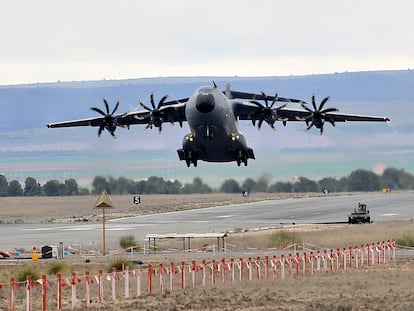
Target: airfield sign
x=104, y=201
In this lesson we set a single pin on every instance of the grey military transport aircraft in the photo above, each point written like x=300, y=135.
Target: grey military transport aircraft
x=213, y=117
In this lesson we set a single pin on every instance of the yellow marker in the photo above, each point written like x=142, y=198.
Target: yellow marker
x=35, y=257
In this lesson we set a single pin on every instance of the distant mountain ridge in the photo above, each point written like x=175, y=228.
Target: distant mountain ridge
x=27, y=147
x=41, y=103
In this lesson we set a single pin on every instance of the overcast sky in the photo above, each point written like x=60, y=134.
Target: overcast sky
x=51, y=40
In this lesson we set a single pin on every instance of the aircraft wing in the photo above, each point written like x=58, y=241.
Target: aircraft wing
x=254, y=97
x=257, y=112
x=301, y=115
x=173, y=111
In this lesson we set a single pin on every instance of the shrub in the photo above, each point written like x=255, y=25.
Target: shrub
x=22, y=274
x=127, y=241
x=58, y=267
x=118, y=263
x=405, y=239
x=284, y=238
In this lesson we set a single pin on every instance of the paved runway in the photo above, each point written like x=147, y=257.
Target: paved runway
x=331, y=208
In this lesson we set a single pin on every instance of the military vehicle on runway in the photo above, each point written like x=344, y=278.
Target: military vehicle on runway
x=359, y=215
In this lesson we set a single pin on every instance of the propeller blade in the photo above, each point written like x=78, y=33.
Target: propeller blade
x=152, y=100
x=323, y=102
x=115, y=108
x=313, y=102
x=161, y=103
x=106, y=105
x=98, y=111
x=144, y=106
x=328, y=110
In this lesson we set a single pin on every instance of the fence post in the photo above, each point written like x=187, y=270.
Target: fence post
x=161, y=273
x=113, y=283
x=73, y=283
x=100, y=286
x=44, y=290
x=28, y=297
x=150, y=279
x=223, y=270
x=304, y=263
x=203, y=267
x=241, y=269
x=213, y=273
x=232, y=269
x=138, y=277
x=274, y=266
x=282, y=267
x=87, y=282
x=12, y=294
x=193, y=273
x=249, y=268
x=258, y=268
x=59, y=291
x=311, y=259
x=126, y=282
x=182, y=275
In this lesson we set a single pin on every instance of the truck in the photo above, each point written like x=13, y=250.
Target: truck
x=359, y=215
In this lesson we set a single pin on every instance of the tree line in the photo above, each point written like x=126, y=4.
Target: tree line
x=358, y=180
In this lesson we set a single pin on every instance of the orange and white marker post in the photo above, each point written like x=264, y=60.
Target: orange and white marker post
x=28, y=296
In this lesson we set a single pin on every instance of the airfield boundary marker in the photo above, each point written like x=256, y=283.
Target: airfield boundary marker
x=44, y=294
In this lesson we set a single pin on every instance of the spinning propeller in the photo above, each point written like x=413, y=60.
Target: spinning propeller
x=157, y=116
x=109, y=122
x=266, y=112
x=317, y=117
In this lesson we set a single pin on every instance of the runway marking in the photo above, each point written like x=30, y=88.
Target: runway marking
x=225, y=216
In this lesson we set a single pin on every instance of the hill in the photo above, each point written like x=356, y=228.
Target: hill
x=29, y=148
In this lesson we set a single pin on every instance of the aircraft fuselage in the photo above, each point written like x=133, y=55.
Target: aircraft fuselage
x=215, y=135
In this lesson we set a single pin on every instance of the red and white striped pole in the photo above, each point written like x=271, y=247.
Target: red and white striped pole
x=223, y=270
x=87, y=282
x=318, y=261
x=304, y=259
x=297, y=264
x=12, y=294
x=241, y=267
x=274, y=266
x=100, y=286
x=203, y=271
x=258, y=268
x=161, y=273
x=362, y=249
x=344, y=258
x=138, y=279
x=193, y=273
x=126, y=287
x=182, y=275
x=172, y=272
x=232, y=269
x=28, y=296
x=149, y=279
x=44, y=295
x=73, y=283
x=311, y=260
x=113, y=283
x=249, y=268
x=267, y=267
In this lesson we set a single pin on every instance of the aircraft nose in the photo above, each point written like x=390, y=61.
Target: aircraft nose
x=205, y=102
